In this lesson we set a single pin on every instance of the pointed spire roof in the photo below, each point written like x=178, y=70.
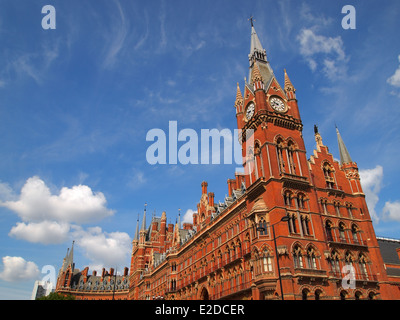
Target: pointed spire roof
x=69, y=258
x=144, y=219
x=258, y=57
x=344, y=154
x=137, y=229
x=255, y=44
x=239, y=96
x=288, y=83
x=256, y=74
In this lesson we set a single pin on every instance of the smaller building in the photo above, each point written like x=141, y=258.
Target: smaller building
x=390, y=251
x=41, y=289
x=84, y=286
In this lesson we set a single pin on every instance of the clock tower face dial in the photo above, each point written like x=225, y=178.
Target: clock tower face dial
x=277, y=104
x=250, y=110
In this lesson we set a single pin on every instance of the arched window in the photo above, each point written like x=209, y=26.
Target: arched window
x=354, y=233
x=279, y=151
x=342, y=235
x=328, y=230
x=362, y=263
x=292, y=223
x=290, y=154
x=300, y=201
x=297, y=257
x=304, y=294
x=317, y=294
x=262, y=227
x=287, y=197
x=267, y=261
x=334, y=262
x=305, y=224
x=311, y=260
x=328, y=173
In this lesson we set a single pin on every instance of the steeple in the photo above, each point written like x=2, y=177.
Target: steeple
x=258, y=56
x=289, y=88
x=143, y=228
x=256, y=49
x=344, y=154
x=136, y=238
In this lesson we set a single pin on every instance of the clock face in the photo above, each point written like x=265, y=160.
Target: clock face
x=277, y=104
x=250, y=111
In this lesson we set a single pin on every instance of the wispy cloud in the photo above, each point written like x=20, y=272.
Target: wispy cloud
x=325, y=51
x=116, y=38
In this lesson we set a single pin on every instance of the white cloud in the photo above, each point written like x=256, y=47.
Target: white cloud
x=371, y=181
x=46, y=232
x=325, y=51
x=188, y=216
x=18, y=269
x=394, y=80
x=78, y=204
x=47, y=218
x=103, y=248
x=391, y=211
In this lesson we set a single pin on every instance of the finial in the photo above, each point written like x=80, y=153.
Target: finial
x=315, y=129
x=251, y=20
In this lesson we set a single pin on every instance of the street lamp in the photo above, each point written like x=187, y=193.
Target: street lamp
x=260, y=229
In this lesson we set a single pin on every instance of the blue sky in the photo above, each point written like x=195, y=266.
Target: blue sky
x=76, y=103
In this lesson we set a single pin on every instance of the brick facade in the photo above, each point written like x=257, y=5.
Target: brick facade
x=287, y=229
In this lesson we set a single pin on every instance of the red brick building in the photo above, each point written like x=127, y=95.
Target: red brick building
x=288, y=228
x=85, y=286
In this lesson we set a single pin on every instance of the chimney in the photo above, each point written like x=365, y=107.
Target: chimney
x=94, y=273
x=126, y=270
x=211, y=199
x=231, y=186
x=111, y=272
x=187, y=226
x=204, y=187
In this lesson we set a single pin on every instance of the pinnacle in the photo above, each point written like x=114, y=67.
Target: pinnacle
x=256, y=74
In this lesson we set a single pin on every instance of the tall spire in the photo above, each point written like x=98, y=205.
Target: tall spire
x=258, y=56
x=344, y=154
x=137, y=229
x=144, y=219
x=256, y=49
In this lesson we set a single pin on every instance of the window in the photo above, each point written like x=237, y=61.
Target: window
x=328, y=173
x=342, y=235
x=279, y=151
x=311, y=260
x=349, y=210
x=334, y=262
x=297, y=257
x=300, y=201
x=262, y=227
x=304, y=222
x=292, y=223
x=290, y=152
x=328, y=230
x=337, y=208
x=267, y=261
x=362, y=262
x=287, y=198
x=354, y=231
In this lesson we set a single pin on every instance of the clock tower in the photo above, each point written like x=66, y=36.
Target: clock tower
x=272, y=113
